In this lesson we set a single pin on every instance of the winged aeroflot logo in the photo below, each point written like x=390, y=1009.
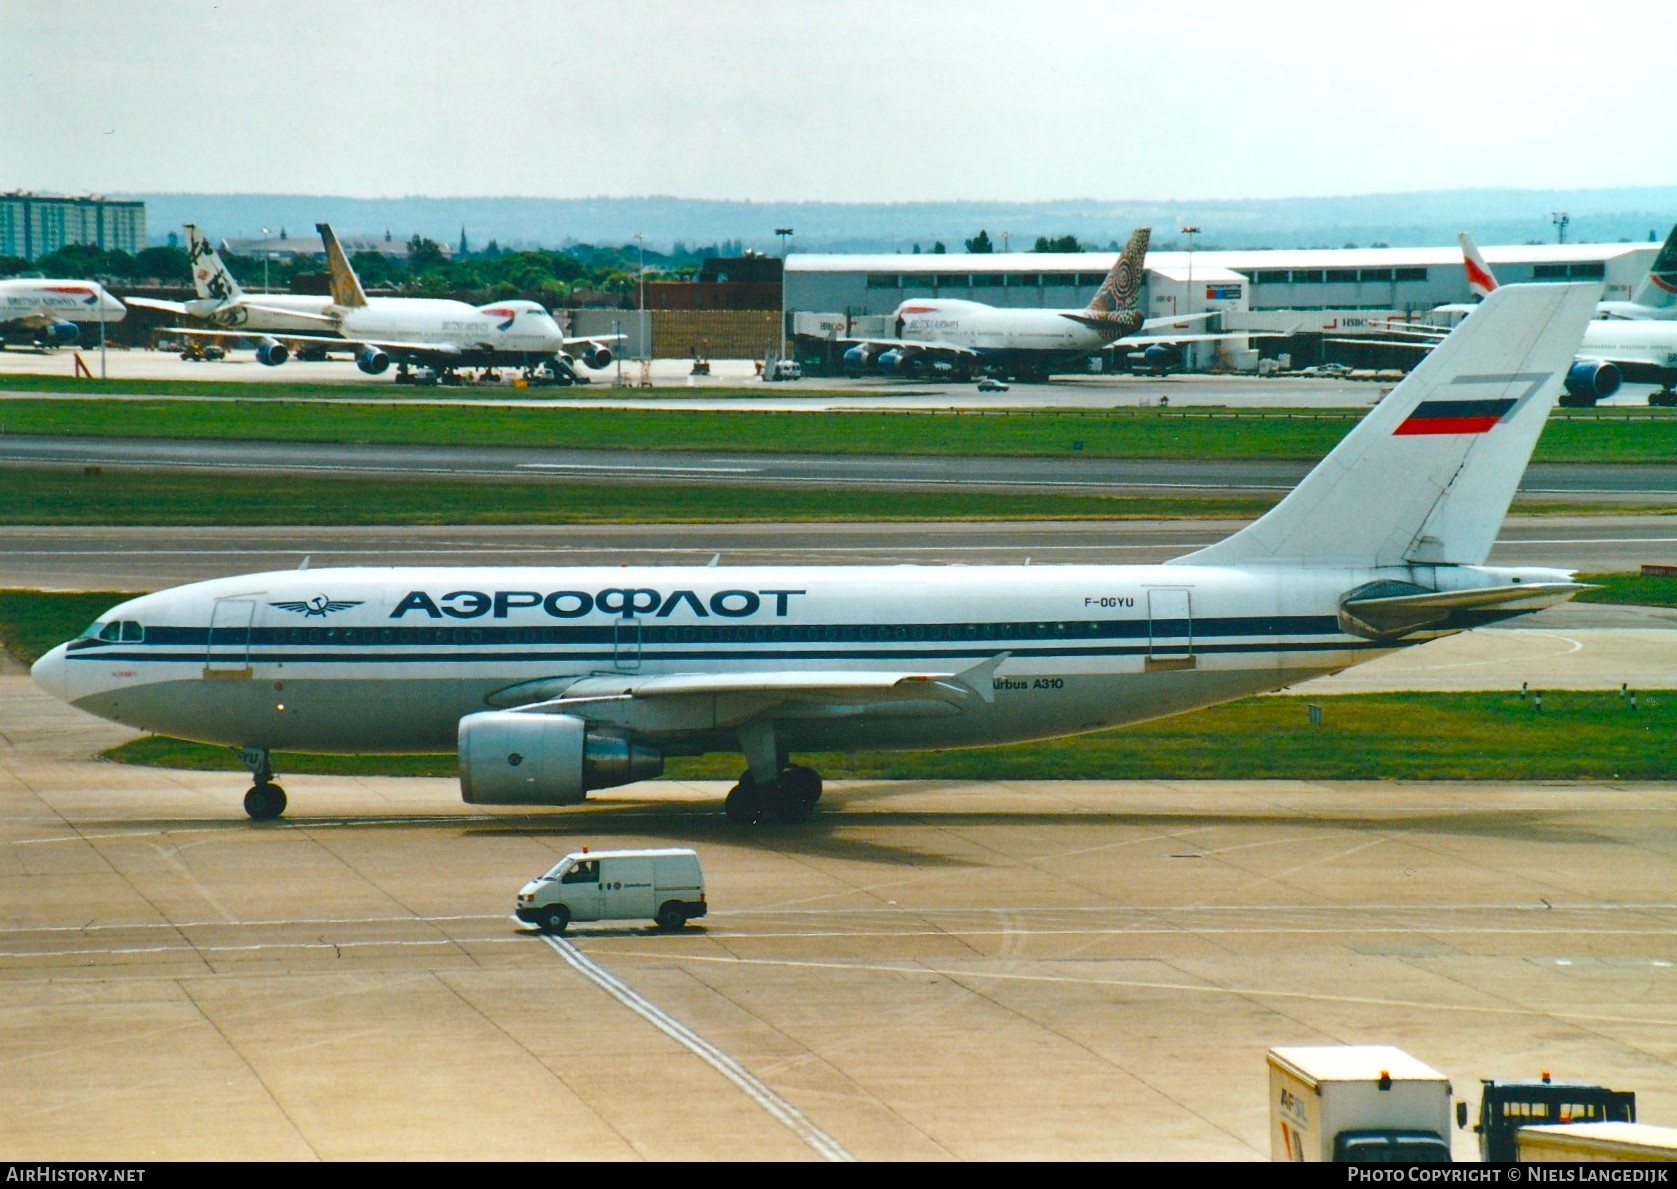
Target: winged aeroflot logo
x=319, y=605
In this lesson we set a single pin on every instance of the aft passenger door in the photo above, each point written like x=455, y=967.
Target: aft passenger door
x=1170, y=629
x=227, y=651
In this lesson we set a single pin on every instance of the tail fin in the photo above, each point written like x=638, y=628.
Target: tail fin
x=346, y=286
x=209, y=275
x=1427, y=476
x=1660, y=287
x=1479, y=278
x=1117, y=304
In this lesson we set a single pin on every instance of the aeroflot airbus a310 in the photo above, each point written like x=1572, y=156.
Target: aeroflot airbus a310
x=551, y=682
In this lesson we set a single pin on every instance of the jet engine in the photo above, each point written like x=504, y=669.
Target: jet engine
x=889, y=361
x=272, y=352
x=1157, y=359
x=857, y=360
x=512, y=758
x=1590, y=380
x=597, y=356
x=373, y=361
x=58, y=334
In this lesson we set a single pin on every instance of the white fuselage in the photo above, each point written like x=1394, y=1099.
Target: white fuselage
x=34, y=302
x=1651, y=341
x=986, y=328
x=504, y=328
x=389, y=660
x=238, y=313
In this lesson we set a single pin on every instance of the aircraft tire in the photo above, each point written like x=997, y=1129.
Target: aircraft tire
x=746, y=804
x=555, y=919
x=264, y=801
x=671, y=917
x=796, y=793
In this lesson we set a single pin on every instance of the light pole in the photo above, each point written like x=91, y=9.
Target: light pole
x=265, y=255
x=1191, y=231
x=640, y=243
x=1560, y=219
x=785, y=233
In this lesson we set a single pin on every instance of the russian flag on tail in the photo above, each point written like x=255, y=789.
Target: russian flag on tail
x=1453, y=416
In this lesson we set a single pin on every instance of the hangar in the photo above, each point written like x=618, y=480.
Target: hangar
x=1337, y=290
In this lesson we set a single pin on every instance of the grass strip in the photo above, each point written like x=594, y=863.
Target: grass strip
x=1482, y=736
x=1604, y=435
x=94, y=495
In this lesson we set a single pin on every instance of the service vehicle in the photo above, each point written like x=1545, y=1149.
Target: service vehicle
x=663, y=885
x=991, y=384
x=785, y=369
x=1506, y=1107
x=1338, y=370
x=1358, y=1104
x=1598, y=1143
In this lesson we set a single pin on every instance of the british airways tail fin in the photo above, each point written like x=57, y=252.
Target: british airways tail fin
x=1427, y=476
x=1479, y=278
x=1659, y=289
x=1117, y=304
x=209, y=275
x=346, y=286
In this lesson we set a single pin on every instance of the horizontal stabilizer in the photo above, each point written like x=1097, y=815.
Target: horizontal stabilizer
x=1388, y=610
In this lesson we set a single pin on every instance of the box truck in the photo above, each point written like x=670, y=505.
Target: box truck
x=1356, y=1103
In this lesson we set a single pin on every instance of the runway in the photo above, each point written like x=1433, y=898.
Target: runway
x=1646, y=483
x=145, y=558
x=927, y=971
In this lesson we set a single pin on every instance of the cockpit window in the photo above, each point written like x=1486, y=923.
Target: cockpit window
x=126, y=631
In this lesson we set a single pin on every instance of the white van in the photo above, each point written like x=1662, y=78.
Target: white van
x=616, y=885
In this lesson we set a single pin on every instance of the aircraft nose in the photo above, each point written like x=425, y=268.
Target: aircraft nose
x=49, y=673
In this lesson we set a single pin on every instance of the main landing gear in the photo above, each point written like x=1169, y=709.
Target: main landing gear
x=791, y=798
x=265, y=800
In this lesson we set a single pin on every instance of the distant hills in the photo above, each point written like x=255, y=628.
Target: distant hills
x=1397, y=220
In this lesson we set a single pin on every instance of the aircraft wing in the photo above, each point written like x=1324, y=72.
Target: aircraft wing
x=686, y=701
x=177, y=308
x=579, y=340
x=1149, y=340
x=911, y=345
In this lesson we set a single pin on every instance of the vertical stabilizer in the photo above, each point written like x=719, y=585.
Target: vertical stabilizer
x=346, y=286
x=1117, y=304
x=1659, y=289
x=209, y=275
x=1427, y=476
x=1479, y=278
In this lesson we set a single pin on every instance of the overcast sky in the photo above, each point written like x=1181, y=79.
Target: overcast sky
x=847, y=101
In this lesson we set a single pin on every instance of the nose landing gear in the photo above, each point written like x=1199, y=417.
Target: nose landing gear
x=265, y=800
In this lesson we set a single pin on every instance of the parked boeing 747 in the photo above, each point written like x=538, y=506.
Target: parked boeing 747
x=550, y=682
x=48, y=311
x=970, y=336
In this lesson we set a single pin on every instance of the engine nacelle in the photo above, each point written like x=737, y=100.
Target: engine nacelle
x=857, y=360
x=58, y=334
x=512, y=758
x=1590, y=380
x=597, y=356
x=890, y=361
x=373, y=361
x=272, y=352
x=1158, y=358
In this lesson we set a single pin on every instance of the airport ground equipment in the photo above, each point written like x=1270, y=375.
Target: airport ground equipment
x=1507, y=1106
x=662, y=885
x=1356, y=1103
x=1596, y=1143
